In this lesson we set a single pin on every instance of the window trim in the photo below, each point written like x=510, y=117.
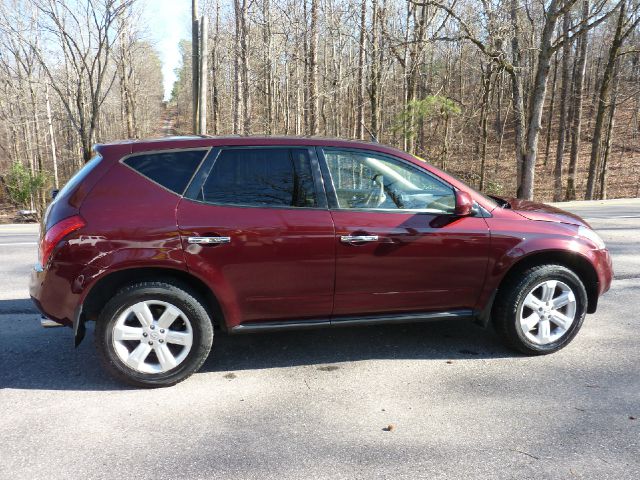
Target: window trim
x=202, y=175
x=333, y=198
x=205, y=150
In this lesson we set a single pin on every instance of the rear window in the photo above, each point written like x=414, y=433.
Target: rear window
x=172, y=170
x=279, y=177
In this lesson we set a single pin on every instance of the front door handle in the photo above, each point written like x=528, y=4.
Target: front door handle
x=208, y=240
x=355, y=239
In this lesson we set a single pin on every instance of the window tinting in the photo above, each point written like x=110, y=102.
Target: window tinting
x=78, y=177
x=261, y=177
x=365, y=180
x=172, y=170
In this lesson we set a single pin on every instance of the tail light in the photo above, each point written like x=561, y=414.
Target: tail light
x=56, y=233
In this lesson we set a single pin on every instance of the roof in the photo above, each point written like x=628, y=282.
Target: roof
x=240, y=139
x=195, y=141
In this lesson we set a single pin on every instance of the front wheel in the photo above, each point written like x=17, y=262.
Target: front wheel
x=153, y=334
x=542, y=310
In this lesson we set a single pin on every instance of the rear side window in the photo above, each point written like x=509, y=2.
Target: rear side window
x=279, y=177
x=79, y=177
x=172, y=170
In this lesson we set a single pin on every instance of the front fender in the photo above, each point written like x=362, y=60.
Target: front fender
x=510, y=251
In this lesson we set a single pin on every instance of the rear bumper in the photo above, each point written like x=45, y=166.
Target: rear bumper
x=52, y=292
x=48, y=323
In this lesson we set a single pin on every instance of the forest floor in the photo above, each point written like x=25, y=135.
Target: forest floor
x=623, y=172
x=9, y=214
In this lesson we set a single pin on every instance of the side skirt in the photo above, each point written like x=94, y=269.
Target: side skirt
x=349, y=321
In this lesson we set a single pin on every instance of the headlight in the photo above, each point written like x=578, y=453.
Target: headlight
x=591, y=235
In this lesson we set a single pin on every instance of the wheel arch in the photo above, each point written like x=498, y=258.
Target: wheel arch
x=574, y=261
x=105, y=287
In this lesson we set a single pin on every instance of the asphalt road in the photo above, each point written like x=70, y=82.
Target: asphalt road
x=316, y=404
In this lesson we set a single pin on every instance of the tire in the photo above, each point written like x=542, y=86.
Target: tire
x=132, y=321
x=527, y=323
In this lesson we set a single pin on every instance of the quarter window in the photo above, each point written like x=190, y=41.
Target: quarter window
x=279, y=177
x=364, y=180
x=172, y=170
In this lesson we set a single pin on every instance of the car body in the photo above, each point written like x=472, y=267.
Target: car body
x=346, y=254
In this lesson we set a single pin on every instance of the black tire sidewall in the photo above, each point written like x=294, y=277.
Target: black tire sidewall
x=200, y=323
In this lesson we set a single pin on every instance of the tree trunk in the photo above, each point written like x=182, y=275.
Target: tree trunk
x=518, y=97
x=238, y=91
x=195, y=63
x=266, y=45
x=484, y=114
x=609, y=137
x=313, y=70
x=215, y=104
x=583, y=42
x=537, y=102
x=204, y=73
x=244, y=50
x=551, y=106
x=52, y=138
x=603, y=98
x=361, y=76
x=564, y=107
x=376, y=67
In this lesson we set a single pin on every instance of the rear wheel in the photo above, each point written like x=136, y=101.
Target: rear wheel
x=542, y=310
x=153, y=334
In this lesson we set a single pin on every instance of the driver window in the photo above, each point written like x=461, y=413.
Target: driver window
x=365, y=180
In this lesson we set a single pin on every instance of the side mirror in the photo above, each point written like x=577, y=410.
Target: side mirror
x=464, y=204
x=54, y=193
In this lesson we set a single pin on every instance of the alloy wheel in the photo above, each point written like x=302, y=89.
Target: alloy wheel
x=547, y=312
x=152, y=336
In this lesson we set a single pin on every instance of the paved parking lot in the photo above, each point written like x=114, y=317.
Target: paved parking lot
x=319, y=404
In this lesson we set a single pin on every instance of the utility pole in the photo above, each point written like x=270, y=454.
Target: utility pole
x=195, y=64
x=52, y=137
x=202, y=84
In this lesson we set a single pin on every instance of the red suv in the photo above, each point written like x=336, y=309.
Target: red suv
x=158, y=241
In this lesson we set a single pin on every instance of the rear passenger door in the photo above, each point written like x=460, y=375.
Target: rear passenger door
x=255, y=227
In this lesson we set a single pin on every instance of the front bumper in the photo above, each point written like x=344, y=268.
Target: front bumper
x=604, y=269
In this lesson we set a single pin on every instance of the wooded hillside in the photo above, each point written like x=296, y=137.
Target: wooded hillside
x=72, y=73
x=539, y=99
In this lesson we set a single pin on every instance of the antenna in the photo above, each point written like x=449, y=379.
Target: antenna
x=373, y=137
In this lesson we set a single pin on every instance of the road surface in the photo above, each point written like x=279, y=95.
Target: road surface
x=318, y=404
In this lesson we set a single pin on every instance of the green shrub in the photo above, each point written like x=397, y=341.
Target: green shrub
x=22, y=185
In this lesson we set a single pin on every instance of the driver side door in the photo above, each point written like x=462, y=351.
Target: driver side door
x=399, y=248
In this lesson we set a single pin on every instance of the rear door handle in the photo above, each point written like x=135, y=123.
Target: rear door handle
x=354, y=239
x=208, y=240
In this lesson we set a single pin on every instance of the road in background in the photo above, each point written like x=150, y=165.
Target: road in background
x=317, y=404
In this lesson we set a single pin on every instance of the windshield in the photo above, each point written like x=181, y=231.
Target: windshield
x=491, y=202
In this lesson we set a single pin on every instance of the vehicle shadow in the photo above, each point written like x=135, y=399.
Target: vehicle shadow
x=437, y=340
x=44, y=359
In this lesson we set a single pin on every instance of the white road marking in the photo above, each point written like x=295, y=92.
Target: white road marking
x=17, y=243
x=612, y=217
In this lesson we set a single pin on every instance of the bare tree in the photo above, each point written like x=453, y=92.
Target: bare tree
x=564, y=108
x=583, y=42
x=624, y=27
